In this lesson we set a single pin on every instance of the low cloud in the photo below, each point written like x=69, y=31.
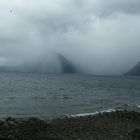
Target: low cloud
x=102, y=37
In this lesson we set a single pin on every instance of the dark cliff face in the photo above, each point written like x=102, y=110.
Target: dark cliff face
x=135, y=71
x=66, y=65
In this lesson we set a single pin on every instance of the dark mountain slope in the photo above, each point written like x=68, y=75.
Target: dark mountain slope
x=66, y=65
x=135, y=71
x=60, y=65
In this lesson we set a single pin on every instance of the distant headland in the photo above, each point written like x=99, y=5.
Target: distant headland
x=135, y=71
x=63, y=65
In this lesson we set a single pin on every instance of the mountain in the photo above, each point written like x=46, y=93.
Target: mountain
x=135, y=71
x=66, y=65
x=60, y=65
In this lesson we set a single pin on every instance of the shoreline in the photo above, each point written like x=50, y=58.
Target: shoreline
x=118, y=125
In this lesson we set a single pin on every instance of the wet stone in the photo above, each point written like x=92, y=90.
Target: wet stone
x=136, y=134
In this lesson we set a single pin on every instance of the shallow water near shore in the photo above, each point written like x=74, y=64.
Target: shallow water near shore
x=58, y=95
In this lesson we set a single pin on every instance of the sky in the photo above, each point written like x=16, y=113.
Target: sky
x=99, y=36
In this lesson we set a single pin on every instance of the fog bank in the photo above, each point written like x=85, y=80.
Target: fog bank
x=100, y=37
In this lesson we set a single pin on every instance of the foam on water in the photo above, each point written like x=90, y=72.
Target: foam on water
x=94, y=113
x=138, y=106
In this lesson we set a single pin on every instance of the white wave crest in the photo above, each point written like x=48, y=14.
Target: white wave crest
x=94, y=113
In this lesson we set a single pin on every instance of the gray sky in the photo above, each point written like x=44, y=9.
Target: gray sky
x=102, y=36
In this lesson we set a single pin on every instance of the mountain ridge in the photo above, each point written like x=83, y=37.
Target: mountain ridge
x=134, y=71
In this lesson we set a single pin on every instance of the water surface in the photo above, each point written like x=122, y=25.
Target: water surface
x=57, y=95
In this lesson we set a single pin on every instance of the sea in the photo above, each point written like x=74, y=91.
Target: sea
x=59, y=95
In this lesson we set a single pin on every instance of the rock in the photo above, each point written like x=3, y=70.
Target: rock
x=135, y=134
x=5, y=138
x=8, y=119
x=1, y=122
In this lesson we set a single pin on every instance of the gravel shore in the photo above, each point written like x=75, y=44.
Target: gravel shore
x=119, y=125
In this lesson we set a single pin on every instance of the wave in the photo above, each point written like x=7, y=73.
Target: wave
x=138, y=106
x=134, y=107
x=94, y=113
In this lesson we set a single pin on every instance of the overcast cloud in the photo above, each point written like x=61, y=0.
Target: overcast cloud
x=102, y=36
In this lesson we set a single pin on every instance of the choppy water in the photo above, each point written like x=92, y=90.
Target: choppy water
x=56, y=95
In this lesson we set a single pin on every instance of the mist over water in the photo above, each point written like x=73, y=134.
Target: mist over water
x=98, y=37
